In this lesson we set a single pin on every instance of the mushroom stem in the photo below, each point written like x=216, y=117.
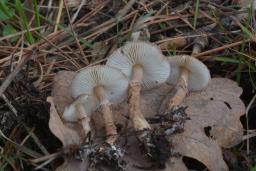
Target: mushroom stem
x=138, y=120
x=110, y=127
x=196, y=49
x=180, y=90
x=84, y=120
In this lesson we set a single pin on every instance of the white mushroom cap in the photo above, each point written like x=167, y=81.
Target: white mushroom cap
x=155, y=67
x=114, y=82
x=199, y=75
x=87, y=102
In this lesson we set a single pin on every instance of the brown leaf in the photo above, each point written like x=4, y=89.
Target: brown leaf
x=73, y=165
x=217, y=107
x=195, y=144
x=220, y=108
x=65, y=134
x=61, y=90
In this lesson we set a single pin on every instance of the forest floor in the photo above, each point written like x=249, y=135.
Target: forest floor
x=41, y=37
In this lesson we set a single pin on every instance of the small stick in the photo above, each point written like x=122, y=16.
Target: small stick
x=75, y=36
x=46, y=157
x=9, y=105
x=58, y=15
x=226, y=46
x=82, y=3
x=17, y=69
x=247, y=123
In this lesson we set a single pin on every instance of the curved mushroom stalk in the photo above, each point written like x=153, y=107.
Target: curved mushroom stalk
x=77, y=112
x=138, y=120
x=198, y=71
x=110, y=127
x=187, y=74
x=200, y=43
x=180, y=91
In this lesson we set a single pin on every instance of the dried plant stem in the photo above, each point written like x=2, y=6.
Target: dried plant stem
x=180, y=90
x=226, y=46
x=12, y=75
x=46, y=157
x=59, y=15
x=75, y=36
x=11, y=107
x=138, y=120
x=110, y=127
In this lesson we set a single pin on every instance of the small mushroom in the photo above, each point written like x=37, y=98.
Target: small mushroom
x=105, y=84
x=188, y=74
x=80, y=111
x=146, y=67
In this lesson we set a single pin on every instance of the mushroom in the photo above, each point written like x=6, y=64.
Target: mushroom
x=146, y=67
x=80, y=111
x=188, y=74
x=105, y=84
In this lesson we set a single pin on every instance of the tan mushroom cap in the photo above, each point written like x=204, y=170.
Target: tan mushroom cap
x=199, y=75
x=113, y=81
x=155, y=67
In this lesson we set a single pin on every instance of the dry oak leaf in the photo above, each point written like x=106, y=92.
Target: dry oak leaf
x=73, y=165
x=65, y=134
x=217, y=107
x=61, y=92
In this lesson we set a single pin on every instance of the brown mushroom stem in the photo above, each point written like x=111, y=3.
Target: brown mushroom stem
x=180, y=90
x=84, y=120
x=196, y=49
x=110, y=127
x=138, y=120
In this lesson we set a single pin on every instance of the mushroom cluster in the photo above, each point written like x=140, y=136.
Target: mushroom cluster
x=96, y=87
x=132, y=68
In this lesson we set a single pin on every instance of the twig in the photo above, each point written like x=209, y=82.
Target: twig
x=221, y=48
x=20, y=33
x=58, y=15
x=9, y=105
x=121, y=13
x=74, y=34
x=247, y=123
x=78, y=10
x=46, y=157
x=11, y=76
